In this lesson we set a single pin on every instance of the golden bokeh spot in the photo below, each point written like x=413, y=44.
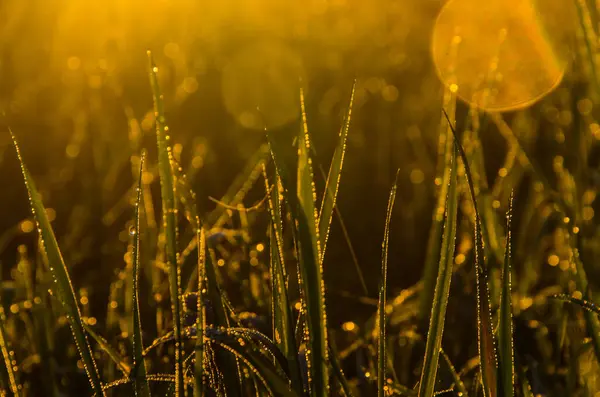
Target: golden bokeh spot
x=72, y=150
x=553, y=260
x=261, y=85
x=197, y=162
x=501, y=55
x=51, y=214
x=417, y=176
x=588, y=213
x=349, y=326
x=73, y=63
x=190, y=85
x=390, y=93
x=27, y=226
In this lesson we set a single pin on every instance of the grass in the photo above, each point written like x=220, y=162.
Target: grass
x=531, y=325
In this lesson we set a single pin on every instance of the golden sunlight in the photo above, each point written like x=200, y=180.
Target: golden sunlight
x=500, y=55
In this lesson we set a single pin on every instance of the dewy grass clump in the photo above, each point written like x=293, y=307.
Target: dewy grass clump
x=485, y=319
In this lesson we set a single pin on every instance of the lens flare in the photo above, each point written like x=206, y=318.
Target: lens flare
x=501, y=55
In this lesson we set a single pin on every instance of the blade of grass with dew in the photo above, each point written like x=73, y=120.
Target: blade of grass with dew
x=337, y=369
x=211, y=285
x=141, y=387
x=9, y=378
x=312, y=271
x=505, y=326
x=201, y=315
x=445, y=149
x=275, y=384
x=382, y=388
x=240, y=186
x=309, y=268
x=283, y=327
x=333, y=180
x=62, y=286
x=109, y=350
x=459, y=386
x=169, y=220
x=485, y=337
x=442, y=287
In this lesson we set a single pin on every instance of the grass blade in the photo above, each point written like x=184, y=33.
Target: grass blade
x=432, y=258
x=442, y=288
x=459, y=386
x=167, y=188
x=141, y=386
x=211, y=289
x=201, y=316
x=310, y=270
x=333, y=180
x=11, y=383
x=108, y=349
x=505, y=326
x=485, y=337
x=381, y=342
x=283, y=326
x=62, y=286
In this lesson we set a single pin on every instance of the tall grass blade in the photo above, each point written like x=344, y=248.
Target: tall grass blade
x=333, y=180
x=505, y=326
x=337, y=369
x=459, y=386
x=432, y=259
x=485, y=336
x=141, y=387
x=211, y=289
x=283, y=326
x=62, y=286
x=303, y=214
x=169, y=214
x=312, y=278
x=442, y=287
x=114, y=355
x=199, y=369
x=10, y=378
x=381, y=342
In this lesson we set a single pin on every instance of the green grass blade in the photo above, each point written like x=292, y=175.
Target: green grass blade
x=11, y=381
x=442, y=288
x=62, y=286
x=333, y=180
x=169, y=210
x=141, y=386
x=307, y=194
x=310, y=269
x=485, y=337
x=381, y=341
x=201, y=316
x=283, y=326
x=505, y=326
x=109, y=350
x=432, y=259
x=310, y=252
x=269, y=377
x=337, y=370
x=459, y=386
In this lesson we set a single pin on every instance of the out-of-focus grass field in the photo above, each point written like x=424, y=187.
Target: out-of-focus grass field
x=330, y=197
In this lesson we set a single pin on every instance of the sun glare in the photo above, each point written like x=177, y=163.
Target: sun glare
x=500, y=55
